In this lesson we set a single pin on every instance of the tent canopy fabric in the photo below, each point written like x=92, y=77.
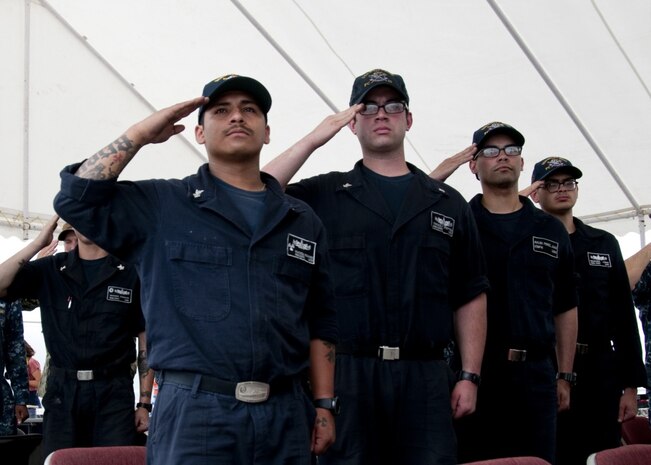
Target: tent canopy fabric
x=573, y=77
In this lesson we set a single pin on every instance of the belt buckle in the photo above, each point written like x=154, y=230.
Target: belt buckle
x=388, y=353
x=252, y=392
x=84, y=375
x=517, y=355
x=581, y=349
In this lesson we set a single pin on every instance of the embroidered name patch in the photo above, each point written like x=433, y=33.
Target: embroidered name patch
x=119, y=294
x=599, y=259
x=300, y=248
x=546, y=246
x=443, y=224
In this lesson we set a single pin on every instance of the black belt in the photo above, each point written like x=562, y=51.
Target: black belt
x=392, y=352
x=246, y=391
x=527, y=355
x=91, y=375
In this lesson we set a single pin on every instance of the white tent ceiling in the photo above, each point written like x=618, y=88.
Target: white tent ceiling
x=76, y=73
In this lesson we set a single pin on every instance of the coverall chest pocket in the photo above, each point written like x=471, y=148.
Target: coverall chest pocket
x=433, y=262
x=292, y=285
x=349, y=265
x=200, y=279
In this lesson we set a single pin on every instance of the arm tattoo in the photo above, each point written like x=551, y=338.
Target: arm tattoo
x=322, y=422
x=143, y=367
x=330, y=355
x=109, y=162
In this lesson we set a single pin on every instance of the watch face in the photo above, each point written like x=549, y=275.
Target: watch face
x=331, y=404
x=336, y=407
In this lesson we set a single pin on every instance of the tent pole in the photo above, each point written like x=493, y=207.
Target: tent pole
x=286, y=56
x=125, y=82
x=568, y=109
x=26, y=86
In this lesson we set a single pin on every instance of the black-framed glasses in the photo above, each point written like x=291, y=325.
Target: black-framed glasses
x=555, y=186
x=390, y=108
x=491, y=151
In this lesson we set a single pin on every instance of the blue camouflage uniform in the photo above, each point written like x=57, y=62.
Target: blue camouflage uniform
x=12, y=359
x=223, y=305
x=642, y=299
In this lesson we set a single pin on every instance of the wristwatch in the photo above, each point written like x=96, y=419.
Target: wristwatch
x=330, y=403
x=569, y=377
x=144, y=405
x=468, y=376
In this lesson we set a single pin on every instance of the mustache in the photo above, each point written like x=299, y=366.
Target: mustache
x=237, y=128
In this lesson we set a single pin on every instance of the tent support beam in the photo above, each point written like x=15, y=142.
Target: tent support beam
x=116, y=73
x=559, y=96
x=26, y=87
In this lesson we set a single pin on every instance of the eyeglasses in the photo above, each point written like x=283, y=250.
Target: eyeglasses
x=554, y=186
x=492, y=152
x=389, y=108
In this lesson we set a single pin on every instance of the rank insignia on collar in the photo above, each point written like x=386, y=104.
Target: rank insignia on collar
x=197, y=193
x=62, y=268
x=121, y=267
x=347, y=185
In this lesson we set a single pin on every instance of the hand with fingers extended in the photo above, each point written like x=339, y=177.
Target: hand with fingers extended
x=331, y=125
x=161, y=125
x=448, y=166
x=46, y=240
x=49, y=249
x=531, y=188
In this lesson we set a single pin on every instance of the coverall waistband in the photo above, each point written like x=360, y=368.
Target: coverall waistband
x=218, y=386
x=391, y=353
x=91, y=375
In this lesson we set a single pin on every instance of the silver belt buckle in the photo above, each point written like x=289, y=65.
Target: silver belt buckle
x=252, y=392
x=517, y=355
x=84, y=375
x=581, y=348
x=388, y=353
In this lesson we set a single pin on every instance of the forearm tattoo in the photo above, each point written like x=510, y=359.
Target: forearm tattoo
x=322, y=422
x=143, y=369
x=330, y=355
x=109, y=162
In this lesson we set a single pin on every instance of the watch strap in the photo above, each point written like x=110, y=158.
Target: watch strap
x=329, y=403
x=569, y=377
x=469, y=376
x=144, y=405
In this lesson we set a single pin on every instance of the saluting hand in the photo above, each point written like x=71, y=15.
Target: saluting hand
x=46, y=238
x=160, y=126
x=48, y=249
x=450, y=164
x=331, y=125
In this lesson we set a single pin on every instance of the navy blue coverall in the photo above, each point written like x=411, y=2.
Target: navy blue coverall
x=532, y=279
x=86, y=326
x=221, y=303
x=397, y=282
x=609, y=352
